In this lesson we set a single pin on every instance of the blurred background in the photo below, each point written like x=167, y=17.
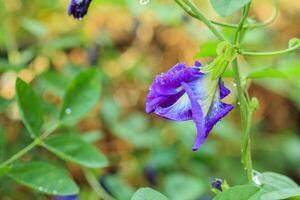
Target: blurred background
x=130, y=43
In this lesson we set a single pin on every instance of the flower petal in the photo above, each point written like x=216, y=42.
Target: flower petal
x=217, y=111
x=204, y=89
x=198, y=118
x=197, y=64
x=223, y=90
x=78, y=8
x=166, y=89
x=181, y=110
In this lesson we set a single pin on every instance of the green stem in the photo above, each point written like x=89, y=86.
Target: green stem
x=246, y=112
x=93, y=182
x=230, y=25
x=37, y=141
x=272, y=53
x=240, y=28
x=192, y=10
x=270, y=20
x=21, y=153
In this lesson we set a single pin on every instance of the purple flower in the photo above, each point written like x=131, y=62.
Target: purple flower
x=216, y=183
x=69, y=197
x=186, y=93
x=78, y=8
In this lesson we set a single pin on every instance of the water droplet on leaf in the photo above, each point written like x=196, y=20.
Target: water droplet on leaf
x=68, y=111
x=257, y=178
x=144, y=2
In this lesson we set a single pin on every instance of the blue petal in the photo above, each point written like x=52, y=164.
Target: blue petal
x=207, y=93
x=204, y=89
x=223, y=90
x=181, y=110
x=217, y=111
x=198, y=118
x=69, y=197
x=166, y=89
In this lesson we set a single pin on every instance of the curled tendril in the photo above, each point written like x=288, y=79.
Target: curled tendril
x=267, y=22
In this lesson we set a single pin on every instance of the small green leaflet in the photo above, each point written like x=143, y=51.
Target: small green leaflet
x=276, y=186
x=243, y=192
x=30, y=108
x=74, y=149
x=228, y=7
x=281, y=194
x=44, y=178
x=179, y=186
x=265, y=73
x=81, y=96
x=148, y=194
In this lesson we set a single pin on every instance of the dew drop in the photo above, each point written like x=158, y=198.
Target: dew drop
x=256, y=178
x=68, y=111
x=239, y=103
x=234, y=84
x=144, y=2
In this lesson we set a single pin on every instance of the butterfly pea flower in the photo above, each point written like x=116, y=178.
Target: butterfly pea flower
x=69, y=197
x=216, y=183
x=187, y=93
x=78, y=8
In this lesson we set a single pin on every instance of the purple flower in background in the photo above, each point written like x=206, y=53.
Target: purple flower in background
x=216, y=183
x=185, y=93
x=78, y=8
x=69, y=197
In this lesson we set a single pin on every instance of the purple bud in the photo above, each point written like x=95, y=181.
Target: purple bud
x=150, y=174
x=217, y=184
x=78, y=8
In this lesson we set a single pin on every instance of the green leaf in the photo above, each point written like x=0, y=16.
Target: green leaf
x=265, y=73
x=4, y=170
x=34, y=27
x=272, y=181
x=6, y=66
x=228, y=7
x=30, y=108
x=54, y=82
x=148, y=194
x=64, y=42
x=44, y=178
x=276, y=186
x=92, y=136
x=4, y=104
x=74, y=149
x=81, y=96
x=281, y=194
x=243, y=192
x=118, y=187
x=179, y=186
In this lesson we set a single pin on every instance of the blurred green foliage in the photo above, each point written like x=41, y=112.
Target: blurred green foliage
x=128, y=44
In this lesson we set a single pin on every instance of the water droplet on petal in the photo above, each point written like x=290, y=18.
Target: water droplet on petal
x=144, y=2
x=68, y=111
